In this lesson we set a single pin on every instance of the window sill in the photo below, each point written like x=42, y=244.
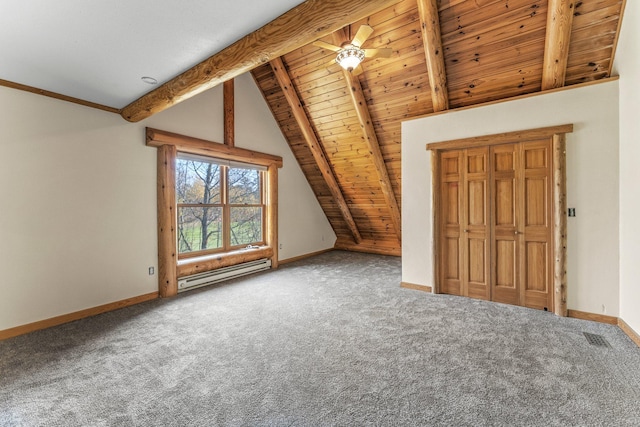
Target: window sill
x=189, y=266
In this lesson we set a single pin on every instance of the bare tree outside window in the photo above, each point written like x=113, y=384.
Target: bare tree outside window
x=199, y=205
x=204, y=191
x=244, y=194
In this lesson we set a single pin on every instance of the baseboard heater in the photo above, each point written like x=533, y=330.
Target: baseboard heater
x=225, y=273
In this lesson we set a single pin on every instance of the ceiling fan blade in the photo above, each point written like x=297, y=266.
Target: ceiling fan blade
x=362, y=35
x=384, y=52
x=327, y=46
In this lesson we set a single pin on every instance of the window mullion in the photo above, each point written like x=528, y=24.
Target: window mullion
x=263, y=198
x=226, y=213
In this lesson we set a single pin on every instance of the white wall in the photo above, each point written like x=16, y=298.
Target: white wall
x=78, y=192
x=592, y=183
x=628, y=65
x=302, y=225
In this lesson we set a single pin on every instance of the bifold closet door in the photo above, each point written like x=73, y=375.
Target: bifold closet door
x=521, y=250
x=495, y=223
x=450, y=222
x=505, y=185
x=465, y=244
x=475, y=224
x=535, y=232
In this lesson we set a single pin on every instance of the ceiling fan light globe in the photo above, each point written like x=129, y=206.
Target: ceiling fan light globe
x=350, y=57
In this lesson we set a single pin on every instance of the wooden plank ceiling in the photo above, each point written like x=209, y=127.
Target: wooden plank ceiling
x=344, y=129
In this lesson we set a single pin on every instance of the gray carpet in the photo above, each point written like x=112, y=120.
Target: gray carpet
x=332, y=340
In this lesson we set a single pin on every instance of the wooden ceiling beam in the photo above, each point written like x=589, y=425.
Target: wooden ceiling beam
x=556, y=45
x=228, y=100
x=300, y=115
x=432, y=40
x=370, y=137
x=298, y=27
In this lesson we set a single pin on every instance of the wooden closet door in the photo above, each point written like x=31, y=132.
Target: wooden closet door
x=475, y=224
x=464, y=241
x=496, y=223
x=535, y=226
x=505, y=207
x=521, y=224
x=451, y=168
x=499, y=211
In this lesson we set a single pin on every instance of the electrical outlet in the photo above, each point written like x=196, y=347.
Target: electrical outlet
x=572, y=211
x=280, y=246
x=151, y=271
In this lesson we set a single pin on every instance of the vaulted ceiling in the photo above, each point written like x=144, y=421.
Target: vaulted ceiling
x=446, y=55
x=344, y=128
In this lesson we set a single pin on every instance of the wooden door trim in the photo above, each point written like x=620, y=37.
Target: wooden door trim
x=559, y=224
x=559, y=176
x=501, y=138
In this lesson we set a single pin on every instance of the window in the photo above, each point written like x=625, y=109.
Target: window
x=226, y=198
x=220, y=205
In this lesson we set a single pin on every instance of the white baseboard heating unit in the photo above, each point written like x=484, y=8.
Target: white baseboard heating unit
x=225, y=273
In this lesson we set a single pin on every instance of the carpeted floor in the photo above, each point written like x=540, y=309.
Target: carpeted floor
x=332, y=340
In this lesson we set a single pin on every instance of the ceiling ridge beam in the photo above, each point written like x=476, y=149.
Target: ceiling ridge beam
x=371, y=138
x=298, y=27
x=556, y=44
x=432, y=41
x=300, y=115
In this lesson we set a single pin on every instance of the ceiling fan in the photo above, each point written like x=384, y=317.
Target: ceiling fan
x=351, y=54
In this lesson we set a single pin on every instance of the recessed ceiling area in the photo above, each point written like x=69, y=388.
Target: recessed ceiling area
x=99, y=51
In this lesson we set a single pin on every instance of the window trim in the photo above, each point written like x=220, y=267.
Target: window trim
x=169, y=267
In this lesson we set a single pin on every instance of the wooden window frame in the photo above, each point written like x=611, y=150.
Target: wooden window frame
x=170, y=268
x=263, y=197
x=559, y=185
x=226, y=207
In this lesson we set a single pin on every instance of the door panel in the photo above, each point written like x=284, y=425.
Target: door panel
x=536, y=265
x=450, y=199
x=452, y=248
x=506, y=264
x=535, y=256
x=535, y=157
x=451, y=175
x=504, y=160
x=503, y=243
x=476, y=202
x=505, y=202
x=536, y=206
x=450, y=164
x=477, y=286
x=476, y=260
x=475, y=233
x=537, y=286
x=451, y=283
